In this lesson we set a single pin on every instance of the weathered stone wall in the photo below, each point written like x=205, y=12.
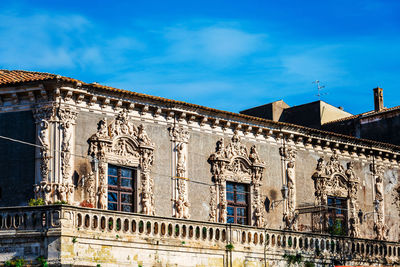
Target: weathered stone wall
x=202, y=144
x=17, y=161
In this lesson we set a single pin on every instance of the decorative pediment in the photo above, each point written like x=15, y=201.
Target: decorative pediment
x=121, y=127
x=120, y=140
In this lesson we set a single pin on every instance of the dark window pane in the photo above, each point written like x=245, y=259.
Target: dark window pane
x=241, y=198
x=126, y=173
x=126, y=182
x=112, y=170
x=112, y=197
x=230, y=220
x=127, y=208
x=230, y=197
x=231, y=211
x=112, y=180
x=241, y=188
x=241, y=212
x=229, y=187
x=126, y=198
x=241, y=220
x=112, y=206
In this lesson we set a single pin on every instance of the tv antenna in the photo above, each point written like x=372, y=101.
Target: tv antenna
x=319, y=87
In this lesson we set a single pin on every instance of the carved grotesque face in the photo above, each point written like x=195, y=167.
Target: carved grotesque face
x=48, y=187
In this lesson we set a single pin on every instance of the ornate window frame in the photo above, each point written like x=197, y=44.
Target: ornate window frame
x=332, y=179
x=125, y=144
x=234, y=163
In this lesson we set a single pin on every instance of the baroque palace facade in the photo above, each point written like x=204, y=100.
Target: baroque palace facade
x=130, y=179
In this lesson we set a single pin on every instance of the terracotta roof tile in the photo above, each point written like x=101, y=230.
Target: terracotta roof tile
x=17, y=76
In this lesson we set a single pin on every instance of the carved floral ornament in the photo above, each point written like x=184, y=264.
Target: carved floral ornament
x=121, y=142
x=331, y=178
x=235, y=162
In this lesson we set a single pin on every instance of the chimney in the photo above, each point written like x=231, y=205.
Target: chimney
x=378, y=99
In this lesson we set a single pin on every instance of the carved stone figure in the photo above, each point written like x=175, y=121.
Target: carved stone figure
x=102, y=128
x=380, y=229
x=38, y=191
x=90, y=188
x=259, y=217
x=102, y=194
x=44, y=150
x=146, y=204
x=47, y=192
x=62, y=192
x=290, y=217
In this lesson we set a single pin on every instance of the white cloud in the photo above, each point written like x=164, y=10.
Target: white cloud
x=314, y=63
x=212, y=45
x=60, y=41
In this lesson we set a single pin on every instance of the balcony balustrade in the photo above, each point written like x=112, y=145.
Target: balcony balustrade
x=85, y=222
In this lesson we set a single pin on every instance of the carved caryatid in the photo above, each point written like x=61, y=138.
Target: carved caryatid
x=123, y=143
x=331, y=178
x=45, y=153
x=378, y=171
x=235, y=163
x=180, y=138
x=290, y=215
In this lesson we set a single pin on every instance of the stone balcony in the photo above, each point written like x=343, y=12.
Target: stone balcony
x=67, y=235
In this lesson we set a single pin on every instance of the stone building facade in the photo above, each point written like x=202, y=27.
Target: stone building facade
x=158, y=182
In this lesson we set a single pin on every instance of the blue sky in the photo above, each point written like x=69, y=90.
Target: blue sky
x=229, y=55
